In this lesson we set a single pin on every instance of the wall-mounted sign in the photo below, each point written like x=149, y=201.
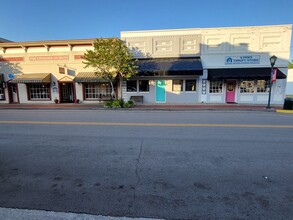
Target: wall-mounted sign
x=78, y=57
x=61, y=70
x=11, y=76
x=11, y=59
x=249, y=59
x=41, y=58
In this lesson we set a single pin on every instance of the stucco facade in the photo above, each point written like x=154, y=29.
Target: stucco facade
x=25, y=65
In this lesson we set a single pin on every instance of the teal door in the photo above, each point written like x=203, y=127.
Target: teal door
x=160, y=91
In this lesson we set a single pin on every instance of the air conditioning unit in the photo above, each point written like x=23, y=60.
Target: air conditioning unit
x=1, y=96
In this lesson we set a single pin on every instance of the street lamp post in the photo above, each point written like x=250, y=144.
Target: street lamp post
x=273, y=60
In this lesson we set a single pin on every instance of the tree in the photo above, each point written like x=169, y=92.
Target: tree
x=290, y=66
x=111, y=59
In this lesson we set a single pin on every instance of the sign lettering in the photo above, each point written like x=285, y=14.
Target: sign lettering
x=11, y=59
x=41, y=58
x=249, y=59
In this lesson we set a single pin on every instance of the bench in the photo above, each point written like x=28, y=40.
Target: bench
x=137, y=99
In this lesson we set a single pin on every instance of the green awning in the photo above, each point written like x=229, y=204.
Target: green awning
x=33, y=78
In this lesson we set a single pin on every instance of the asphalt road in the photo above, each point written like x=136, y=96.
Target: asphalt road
x=172, y=165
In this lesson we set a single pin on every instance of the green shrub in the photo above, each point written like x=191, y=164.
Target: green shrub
x=121, y=102
x=116, y=104
x=131, y=103
x=127, y=105
x=108, y=104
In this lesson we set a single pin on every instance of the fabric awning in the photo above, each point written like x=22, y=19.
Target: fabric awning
x=84, y=77
x=169, y=66
x=33, y=78
x=243, y=73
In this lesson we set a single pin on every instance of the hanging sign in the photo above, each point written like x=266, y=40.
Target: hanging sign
x=249, y=59
x=274, y=74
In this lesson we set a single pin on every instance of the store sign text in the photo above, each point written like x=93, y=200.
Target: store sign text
x=230, y=60
x=40, y=58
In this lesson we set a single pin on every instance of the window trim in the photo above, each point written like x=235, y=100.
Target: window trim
x=93, y=83
x=139, y=86
x=182, y=85
x=216, y=93
x=267, y=83
x=247, y=93
x=38, y=99
x=136, y=87
x=195, y=86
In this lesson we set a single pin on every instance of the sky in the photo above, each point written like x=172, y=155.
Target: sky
x=36, y=20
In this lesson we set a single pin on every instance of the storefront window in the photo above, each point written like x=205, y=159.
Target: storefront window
x=37, y=91
x=144, y=86
x=177, y=85
x=263, y=86
x=97, y=90
x=190, y=85
x=131, y=86
x=1, y=93
x=247, y=86
x=216, y=86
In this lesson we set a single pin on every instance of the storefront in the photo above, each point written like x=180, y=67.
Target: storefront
x=91, y=88
x=234, y=64
x=184, y=66
x=165, y=80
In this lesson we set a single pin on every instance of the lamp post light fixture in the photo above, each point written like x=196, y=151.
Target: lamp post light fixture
x=273, y=60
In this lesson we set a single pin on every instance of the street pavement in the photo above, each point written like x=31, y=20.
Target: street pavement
x=148, y=164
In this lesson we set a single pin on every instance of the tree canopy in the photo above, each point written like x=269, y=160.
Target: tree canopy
x=110, y=58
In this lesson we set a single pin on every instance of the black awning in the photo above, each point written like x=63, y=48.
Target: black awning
x=169, y=66
x=243, y=73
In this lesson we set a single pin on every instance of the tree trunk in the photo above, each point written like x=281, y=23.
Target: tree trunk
x=113, y=95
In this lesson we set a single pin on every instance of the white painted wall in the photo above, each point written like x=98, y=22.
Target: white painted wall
x=289, y=86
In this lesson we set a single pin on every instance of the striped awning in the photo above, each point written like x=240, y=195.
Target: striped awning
x=84, y=77
x=33, y=78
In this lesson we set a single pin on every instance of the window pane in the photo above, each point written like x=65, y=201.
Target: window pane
x=216, y=86
x=144, y=86
x=39, y=91
x=263, y=86
x=177, y=85
x=190, y=85
x=131, y=86
x=97, y=90
x=247, y=86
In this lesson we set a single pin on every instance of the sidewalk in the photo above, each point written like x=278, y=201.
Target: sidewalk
x=167, y=107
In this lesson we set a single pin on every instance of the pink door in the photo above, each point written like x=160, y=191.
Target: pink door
x=230, y=91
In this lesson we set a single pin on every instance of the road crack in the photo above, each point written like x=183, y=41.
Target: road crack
x=137, y=177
